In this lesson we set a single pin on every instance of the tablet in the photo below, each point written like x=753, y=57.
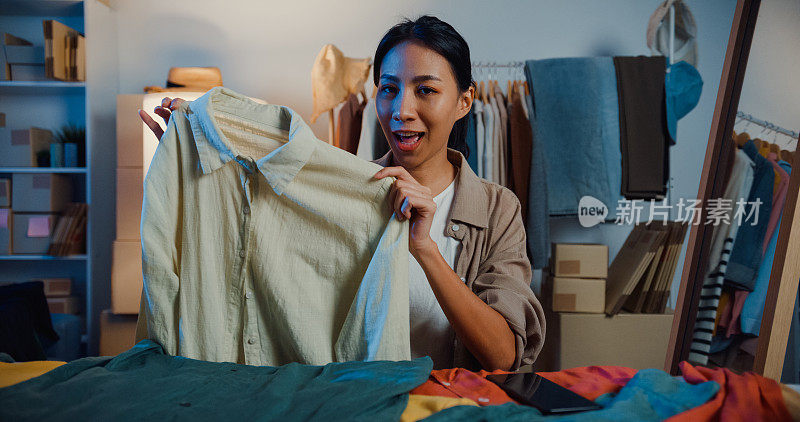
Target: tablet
x=546, y=396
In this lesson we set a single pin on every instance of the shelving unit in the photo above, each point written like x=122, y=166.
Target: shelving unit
x=42, y=170
x=23, y=257
x=41, y=88
x=51, y=104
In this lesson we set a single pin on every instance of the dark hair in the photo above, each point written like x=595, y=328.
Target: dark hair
x=442, y=38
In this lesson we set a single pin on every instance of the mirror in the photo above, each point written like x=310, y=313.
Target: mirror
x=738, y=295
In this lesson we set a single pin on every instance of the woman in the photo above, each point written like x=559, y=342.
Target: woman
x=470, y=301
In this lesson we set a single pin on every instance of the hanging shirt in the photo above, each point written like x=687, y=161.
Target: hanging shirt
x=348, y=131
x=431, y=332
x=738, y=187
x=495, y=141
x=520, y=142
x=477, y=109
x=263, y=245
x=488, y=140
x=372, y=142
x=502, y=166
x=472, y=142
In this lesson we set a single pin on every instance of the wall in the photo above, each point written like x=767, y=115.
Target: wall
x=266, y=50
x=771, y=83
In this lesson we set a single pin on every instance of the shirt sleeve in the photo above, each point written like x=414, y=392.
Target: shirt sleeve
x=160, y=237
x=504, y=278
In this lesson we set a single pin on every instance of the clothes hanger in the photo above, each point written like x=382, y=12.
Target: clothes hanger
x=510, y=77
x=482, y=86
x=786, y=154
x=491, y=80
x=476, y=78
x=478, y=83
x=743, y=137
x=773, y=146
x=763, y=146
x=521, y=91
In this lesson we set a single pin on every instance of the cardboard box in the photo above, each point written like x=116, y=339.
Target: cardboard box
x=117, y=333
x=6, y=226
x=136, y=143
x=40, y=192
x=28, y=72
x=56, y=287
x=632, y=340
x=578, y=294
x=25, y=54
x=20, y=149
x=580, y=260
x=5, y=193
x=631, y=263
x=126, y=276
x=129, y=203
x=32, y=233
x=64, y=305
x=7, y=40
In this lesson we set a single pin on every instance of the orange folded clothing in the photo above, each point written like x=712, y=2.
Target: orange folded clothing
x=741, y=397
x=462, y=383
x=745, y=397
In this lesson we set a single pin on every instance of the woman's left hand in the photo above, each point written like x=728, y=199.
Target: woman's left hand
x=413, y=201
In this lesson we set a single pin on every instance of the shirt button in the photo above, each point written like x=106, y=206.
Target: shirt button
x=455, y=227
x=248, y=295
x=241, y=253
x=246, y=210
x=251, y=341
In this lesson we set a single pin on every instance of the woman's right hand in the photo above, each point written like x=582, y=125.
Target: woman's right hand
x=168, y=105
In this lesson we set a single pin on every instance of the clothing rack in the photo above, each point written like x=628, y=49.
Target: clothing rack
x=767, y=125
x=513, y=64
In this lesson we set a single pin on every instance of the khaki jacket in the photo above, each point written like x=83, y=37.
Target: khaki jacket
x=493, y=260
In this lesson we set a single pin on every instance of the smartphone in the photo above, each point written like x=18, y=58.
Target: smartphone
x=541, y=393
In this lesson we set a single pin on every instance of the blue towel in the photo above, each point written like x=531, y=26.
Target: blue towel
x=146, y=384
x=538, y=227
x=576, y=112
x=651, y=395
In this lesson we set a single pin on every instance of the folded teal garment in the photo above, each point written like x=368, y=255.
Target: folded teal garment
x=651, y=395
x=146, y=384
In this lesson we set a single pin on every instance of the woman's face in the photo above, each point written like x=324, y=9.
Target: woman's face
x=418, y=102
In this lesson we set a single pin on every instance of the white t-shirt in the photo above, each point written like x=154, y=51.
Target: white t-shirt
x=431, y=332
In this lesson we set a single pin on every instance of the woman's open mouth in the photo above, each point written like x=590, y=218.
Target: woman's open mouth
x=407, y=140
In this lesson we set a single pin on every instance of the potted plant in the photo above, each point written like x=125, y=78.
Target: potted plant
x=43, y=158
x=57, y=153
x=73, y=138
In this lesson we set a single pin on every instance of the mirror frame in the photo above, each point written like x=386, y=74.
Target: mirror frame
x=785, y=273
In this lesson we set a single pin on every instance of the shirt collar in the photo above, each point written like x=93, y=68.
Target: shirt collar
x=214, y=149
x=469, y=199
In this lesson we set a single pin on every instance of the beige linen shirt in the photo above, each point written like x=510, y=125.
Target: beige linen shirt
x=263, y=245
x=493, y=260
